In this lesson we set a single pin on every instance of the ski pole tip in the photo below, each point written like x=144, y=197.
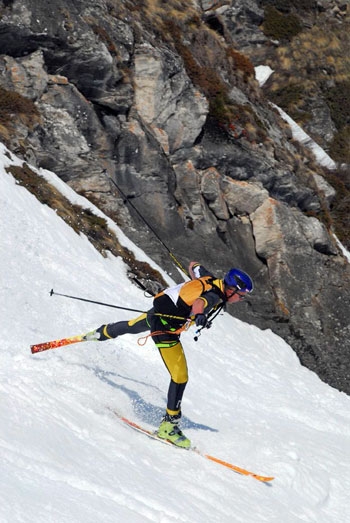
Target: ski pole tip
x=51, y=292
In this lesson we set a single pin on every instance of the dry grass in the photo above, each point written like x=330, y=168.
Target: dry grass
x=12, y=103
x=280, y=26
x=14, y=106
x=322, y=44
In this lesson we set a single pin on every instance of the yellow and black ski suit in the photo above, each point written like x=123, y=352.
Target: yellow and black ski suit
x=170, y=313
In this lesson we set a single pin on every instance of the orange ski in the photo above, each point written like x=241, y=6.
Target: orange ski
x=39, y=347
x=153, y=435
x=235, y=468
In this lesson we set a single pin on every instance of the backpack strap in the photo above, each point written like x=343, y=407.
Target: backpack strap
x=210, y=280
x=218, y=290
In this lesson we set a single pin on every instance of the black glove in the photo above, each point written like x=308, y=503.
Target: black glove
x=201, y=320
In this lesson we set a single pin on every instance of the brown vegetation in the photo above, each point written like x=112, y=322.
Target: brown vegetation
x=280, y=26
x=15, y=106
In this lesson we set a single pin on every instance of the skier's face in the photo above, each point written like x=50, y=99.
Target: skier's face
x=233, y=295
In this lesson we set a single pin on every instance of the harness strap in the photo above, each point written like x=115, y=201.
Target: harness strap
x=143, y=339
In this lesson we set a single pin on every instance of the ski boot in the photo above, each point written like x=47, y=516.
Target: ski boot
x=92, y=336
x=97, y=335
x=169, y=430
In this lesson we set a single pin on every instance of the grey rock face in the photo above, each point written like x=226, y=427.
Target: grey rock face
x=165, y=98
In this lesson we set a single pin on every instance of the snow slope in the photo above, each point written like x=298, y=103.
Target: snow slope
x=66, y=458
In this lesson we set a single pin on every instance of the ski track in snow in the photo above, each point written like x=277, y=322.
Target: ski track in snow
x=65, y=457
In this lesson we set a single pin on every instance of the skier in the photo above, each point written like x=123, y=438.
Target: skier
x=174, y=309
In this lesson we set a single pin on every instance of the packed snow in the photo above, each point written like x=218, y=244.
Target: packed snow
x=345, y=252
x=65, y=456
x=298, y=134
x=263, y=73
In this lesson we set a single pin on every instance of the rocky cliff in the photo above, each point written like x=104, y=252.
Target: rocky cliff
x=162, y=98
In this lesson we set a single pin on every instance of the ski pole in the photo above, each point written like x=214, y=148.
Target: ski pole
x=118, y=307
x=127, y=199
x=93, y=301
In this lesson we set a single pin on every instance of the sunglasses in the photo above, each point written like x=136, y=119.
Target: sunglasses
x=241, y=294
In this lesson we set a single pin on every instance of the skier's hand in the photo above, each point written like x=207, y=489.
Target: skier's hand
x=201, y=320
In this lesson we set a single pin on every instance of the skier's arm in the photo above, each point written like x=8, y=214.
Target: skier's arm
x=198, y=312
x=191, y=270
x=197, y=270
x=198, y=306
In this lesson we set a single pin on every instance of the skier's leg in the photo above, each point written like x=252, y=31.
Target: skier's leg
x=113, y=330
x=174, y=359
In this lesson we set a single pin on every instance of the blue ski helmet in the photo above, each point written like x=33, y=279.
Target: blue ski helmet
x=239, y=279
